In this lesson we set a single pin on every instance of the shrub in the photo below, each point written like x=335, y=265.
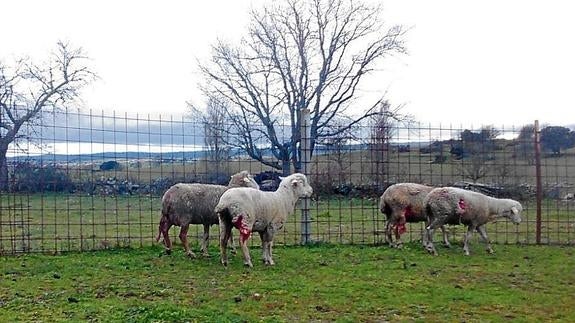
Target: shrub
x=33, y=178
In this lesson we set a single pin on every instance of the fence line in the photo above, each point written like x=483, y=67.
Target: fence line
x=85, y=181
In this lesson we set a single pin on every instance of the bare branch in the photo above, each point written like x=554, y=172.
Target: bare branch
x=299, y=54
x=28, y=88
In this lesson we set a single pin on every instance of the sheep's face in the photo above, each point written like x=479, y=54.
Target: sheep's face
x=243, y=179
x=300, y=185
x=514, y=213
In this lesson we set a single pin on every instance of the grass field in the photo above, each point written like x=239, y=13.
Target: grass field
x=68, y=222
x=346, y=283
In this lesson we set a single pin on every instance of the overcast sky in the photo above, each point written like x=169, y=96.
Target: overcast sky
x=480, y=62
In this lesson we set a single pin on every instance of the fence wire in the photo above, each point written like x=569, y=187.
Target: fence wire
x=87, y=181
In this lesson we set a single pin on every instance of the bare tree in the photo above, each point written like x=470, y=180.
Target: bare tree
x=298, y=54
x=384, y=125
x=479, y=147
x=27, y=89
x=338, y=152
x=214, y=120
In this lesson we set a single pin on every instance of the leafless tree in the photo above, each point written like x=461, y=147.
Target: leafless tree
x=298, y=54
x=213, y=119
x=479, y=146
x=338, y=151
x=27, y=89
x=384, y=125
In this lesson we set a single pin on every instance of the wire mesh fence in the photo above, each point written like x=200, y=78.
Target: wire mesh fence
x=86, y=181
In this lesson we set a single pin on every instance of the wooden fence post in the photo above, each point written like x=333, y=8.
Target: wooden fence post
x=305, y=155
x=539, y=194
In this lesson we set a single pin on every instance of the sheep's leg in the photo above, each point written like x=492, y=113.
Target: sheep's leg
x=388, y=229
x=225, y=234
x=483, y=234
x=233, y=244
x=267, y=241
x=424, y=237
x=205, y=241
x=445, y=237
x=264, y=247
x=468, y=236
x=246, y=252
x=430, y=247
x=433, y=223
x=164, y=229
x=398, y=242
x=184, y=239
x=270, y=246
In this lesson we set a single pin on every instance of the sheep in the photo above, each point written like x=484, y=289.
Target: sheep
x=259, y=211
x=184, y=204
x=402, y=203
x=449, y=205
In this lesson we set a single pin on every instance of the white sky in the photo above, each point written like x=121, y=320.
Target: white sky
x=481, y=62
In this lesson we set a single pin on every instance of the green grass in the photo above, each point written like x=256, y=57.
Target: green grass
x=68, y=222
x=347, y=283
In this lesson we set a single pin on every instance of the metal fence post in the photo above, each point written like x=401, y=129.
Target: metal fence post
x=305, y=155
x=539, y=189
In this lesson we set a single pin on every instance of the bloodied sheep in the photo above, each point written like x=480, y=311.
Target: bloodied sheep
x=403, y=203
x=184, y=204
x=263, y=212
x=449, y=205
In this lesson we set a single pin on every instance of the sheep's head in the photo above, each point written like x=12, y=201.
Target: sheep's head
x=243, y=179
x=514, y=212
x=299, y=184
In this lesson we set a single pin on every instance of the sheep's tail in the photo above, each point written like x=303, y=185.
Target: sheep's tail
x=223, y=213
x=385, y=209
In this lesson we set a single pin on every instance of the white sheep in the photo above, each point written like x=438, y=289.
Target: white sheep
x=449, y=205
x=403, y=203
x=184, y=204
x=259, y=211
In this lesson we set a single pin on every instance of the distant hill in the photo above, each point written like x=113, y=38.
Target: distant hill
x=177, y=155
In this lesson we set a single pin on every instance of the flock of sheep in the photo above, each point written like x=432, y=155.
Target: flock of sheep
x=242, y=205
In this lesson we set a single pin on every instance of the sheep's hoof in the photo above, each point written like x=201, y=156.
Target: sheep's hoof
x=268, y=262
x=191, y=255
x=168, y=251
x=399, y=246
x=490, y=251
x=206, y=254
x=431, y=250
x=248, y=264
x=447, y=245
x=225, y=263
x=234, y=252
x=466, y=253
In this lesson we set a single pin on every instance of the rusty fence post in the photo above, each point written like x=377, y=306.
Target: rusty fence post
x=305, y=155
x=539, y=194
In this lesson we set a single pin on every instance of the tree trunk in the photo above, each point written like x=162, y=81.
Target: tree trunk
x=286, y=169
x=3, y=169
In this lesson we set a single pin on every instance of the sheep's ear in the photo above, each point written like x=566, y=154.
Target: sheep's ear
x=514, y=210
x=281, y=178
